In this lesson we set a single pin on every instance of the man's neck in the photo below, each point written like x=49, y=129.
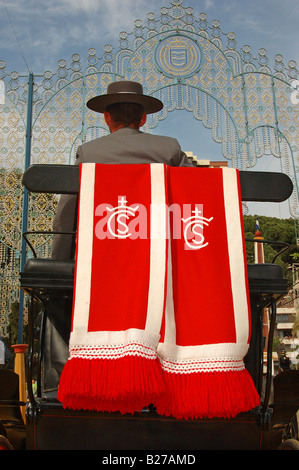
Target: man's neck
x=121, y=126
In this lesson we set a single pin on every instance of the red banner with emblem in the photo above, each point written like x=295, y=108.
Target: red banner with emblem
x=161, y=308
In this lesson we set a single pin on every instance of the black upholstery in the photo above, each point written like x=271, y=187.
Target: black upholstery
x=266, y=278
x=12, y=424
x=41, y=265
x=256, y=186
x=51, y=281
x=41, y=274
x=9, y=398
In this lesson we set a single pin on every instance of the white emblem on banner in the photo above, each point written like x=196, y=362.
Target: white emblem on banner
x=120, y=214
x=193, y=230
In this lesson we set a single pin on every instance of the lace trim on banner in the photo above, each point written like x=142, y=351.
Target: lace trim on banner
x=112, y=352
x=212, y=365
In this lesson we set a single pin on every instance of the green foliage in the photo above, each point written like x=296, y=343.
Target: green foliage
x=273, y=229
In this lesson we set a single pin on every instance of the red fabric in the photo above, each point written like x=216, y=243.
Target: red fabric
x=113, y=363
x=200, y=276
x=160, y=324
x=130, y=267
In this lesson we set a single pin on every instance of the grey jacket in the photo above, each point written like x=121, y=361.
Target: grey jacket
x=125, y=146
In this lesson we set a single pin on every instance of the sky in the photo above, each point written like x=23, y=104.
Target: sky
x=36, y=34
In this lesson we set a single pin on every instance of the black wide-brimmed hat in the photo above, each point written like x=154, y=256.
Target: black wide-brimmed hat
x=125, y=92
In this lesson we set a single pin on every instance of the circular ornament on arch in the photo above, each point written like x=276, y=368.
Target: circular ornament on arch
x=178, y=56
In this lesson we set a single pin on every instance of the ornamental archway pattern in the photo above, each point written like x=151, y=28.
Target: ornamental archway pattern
x=250, y=109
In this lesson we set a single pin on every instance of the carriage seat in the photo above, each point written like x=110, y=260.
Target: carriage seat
x=267, y=278
x=43, y=274
x=52, y=281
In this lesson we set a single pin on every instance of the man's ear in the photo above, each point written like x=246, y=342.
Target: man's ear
x=107, y=118
x=143, y=120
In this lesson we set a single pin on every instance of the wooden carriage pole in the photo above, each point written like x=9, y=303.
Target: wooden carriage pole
x=260, y=258
x=258, y=247
x=20, y=370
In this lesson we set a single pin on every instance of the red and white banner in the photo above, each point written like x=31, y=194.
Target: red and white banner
x=161, y=307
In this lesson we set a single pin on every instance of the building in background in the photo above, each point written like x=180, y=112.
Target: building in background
x=196, y=161
x=286, y=319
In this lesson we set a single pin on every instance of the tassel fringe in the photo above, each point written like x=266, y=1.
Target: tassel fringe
x=131, y=383
x=127, y=384
x=207, y=395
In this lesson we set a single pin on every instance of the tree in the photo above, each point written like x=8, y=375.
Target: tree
x=275, y=230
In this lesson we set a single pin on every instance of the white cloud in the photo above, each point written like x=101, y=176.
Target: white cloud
x=50, y=30
x=56, y=29
x=208, y=4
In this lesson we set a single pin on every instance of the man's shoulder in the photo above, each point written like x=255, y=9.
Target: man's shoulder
x=95, y=141
x=161, y=138
x=129, y=138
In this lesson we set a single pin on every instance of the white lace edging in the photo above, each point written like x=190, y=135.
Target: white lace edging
x=113, y=351
x=216, y=365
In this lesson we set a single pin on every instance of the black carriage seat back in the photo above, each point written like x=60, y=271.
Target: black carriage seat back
x=64, y=179
x=59, y=273
x=267, y=278
x=53, y=280
x=258, y=186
